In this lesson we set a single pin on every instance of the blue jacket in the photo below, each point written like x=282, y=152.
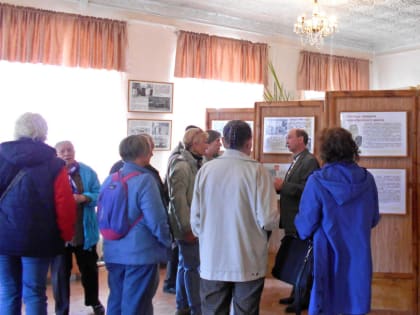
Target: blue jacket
x=339, y=207
x=28, y=223
x=91, y=188
x=148, y=242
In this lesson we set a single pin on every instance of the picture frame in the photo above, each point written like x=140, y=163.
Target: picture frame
x=276, y=129
x=150, y=96
x=160, y=130
x=392, y=190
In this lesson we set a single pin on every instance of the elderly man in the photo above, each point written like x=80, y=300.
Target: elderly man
x=214, y=144
x=181, y=176
x=290, y=189
x=232, y=217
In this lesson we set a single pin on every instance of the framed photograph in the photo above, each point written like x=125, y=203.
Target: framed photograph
x=160, y=130
x=277, y=128
x=148, y=96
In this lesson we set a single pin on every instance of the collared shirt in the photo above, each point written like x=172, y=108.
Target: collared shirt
x=295, y=159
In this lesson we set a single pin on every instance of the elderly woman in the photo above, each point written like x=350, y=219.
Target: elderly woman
x=37, y=215
x=132, y=261
x=339, y=207
x=85, y=186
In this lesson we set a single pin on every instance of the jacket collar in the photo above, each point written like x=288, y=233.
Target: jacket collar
x=235, y=154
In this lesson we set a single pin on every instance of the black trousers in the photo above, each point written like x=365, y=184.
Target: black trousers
x=61, y=267
x=217, y=297
x=171, y=269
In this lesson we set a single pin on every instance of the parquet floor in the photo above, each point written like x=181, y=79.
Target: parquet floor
x=164, y=304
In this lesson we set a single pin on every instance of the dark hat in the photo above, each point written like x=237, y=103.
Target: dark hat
x=213, y=135
x=190, y=127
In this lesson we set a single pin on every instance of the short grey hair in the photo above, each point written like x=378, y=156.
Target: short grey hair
x=31, y=125
x=149, y=139
x=133, y=147
x=61, y=143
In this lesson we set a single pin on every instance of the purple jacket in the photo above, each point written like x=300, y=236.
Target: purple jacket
x=28, y=222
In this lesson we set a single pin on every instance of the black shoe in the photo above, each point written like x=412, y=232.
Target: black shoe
x=288, y=300
x=292, y=308
x=98, y=309
x=170, y=290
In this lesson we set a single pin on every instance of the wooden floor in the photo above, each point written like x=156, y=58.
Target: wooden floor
x=164, y=304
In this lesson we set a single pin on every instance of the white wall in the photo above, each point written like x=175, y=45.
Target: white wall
x=150, y=58
x=396, y=70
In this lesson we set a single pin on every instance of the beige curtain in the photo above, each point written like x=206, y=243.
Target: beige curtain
x=40, y=36
x=320, y=72
x=212, y=57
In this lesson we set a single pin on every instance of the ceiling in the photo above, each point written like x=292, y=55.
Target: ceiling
x=374, y=26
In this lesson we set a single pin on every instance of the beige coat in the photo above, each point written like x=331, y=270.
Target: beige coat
x=181, y=176
x=233, y=207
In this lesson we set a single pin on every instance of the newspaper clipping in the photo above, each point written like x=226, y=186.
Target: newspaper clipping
x=277, y=128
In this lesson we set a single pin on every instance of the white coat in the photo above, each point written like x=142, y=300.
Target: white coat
x=234, y=205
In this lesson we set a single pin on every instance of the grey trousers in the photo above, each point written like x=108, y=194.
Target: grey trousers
x=217, y=296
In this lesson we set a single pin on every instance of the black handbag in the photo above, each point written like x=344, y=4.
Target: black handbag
x=294, y=265
x=293, y=258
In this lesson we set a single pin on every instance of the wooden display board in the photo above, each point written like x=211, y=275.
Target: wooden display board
x=395, y=239
x=290, y=109
x=223, y=115
x=212, y=114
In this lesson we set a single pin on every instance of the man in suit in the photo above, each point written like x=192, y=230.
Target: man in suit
x=290, y=189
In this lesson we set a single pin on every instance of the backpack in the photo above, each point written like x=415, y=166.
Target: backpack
x=113, y=219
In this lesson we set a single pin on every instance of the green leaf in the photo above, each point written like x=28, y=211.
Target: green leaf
x=279, y=93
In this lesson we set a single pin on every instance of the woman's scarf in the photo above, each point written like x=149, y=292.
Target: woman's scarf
x=73, y=169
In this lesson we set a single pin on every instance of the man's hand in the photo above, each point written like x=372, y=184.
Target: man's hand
x=189, y=237
x=278, y=183
x=80, y=198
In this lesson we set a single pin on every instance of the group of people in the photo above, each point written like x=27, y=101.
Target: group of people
x=47, y=209
x=212, y=218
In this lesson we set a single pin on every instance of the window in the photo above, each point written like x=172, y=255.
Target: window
x=313, y=95
x=84, y=106
x=193, y=96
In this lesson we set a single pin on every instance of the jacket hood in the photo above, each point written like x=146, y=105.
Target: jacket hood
x=26, y=152
x=344, y=181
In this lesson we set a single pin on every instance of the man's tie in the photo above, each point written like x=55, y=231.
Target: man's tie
x=290, y=167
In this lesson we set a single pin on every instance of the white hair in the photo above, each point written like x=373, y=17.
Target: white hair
x=31, y=125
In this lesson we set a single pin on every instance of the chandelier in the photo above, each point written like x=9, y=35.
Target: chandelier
x=313, y=30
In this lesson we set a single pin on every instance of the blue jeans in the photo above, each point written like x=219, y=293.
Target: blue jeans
x=23, y=277
x=188, y=278
x=131, y=289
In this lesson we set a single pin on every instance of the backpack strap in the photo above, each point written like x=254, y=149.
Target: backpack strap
x=118, y=176
x=14, y=181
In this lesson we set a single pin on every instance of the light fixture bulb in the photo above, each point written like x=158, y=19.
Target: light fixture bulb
x=313, y=30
